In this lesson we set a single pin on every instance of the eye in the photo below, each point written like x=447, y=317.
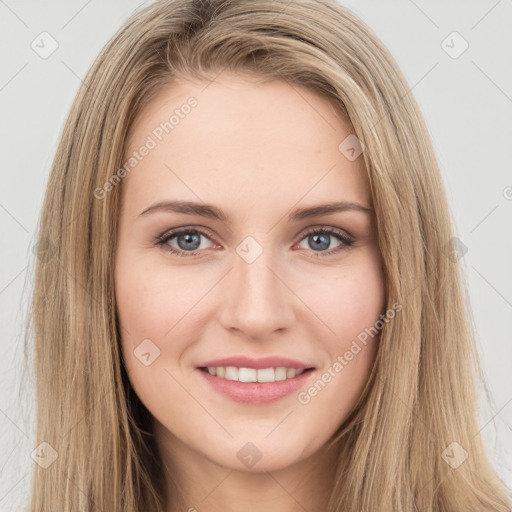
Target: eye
x=187, y=241
x=321, y=238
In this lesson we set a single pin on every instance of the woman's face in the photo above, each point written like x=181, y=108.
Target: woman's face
x=240, y=278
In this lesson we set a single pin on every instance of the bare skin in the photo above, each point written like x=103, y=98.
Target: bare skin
x=256, y=150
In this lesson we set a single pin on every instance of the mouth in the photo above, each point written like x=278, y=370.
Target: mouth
x=253, y=375
x=254, y=386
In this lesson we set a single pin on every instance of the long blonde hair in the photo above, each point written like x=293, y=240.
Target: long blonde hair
x=419, y=409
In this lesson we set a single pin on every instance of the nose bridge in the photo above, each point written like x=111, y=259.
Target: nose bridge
x=257, y=301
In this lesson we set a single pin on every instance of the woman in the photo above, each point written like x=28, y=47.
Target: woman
x=204, y=345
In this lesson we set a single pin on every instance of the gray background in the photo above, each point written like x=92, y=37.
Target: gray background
x=467, y=104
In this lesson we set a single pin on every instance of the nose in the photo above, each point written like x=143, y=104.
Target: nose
x=258, y=301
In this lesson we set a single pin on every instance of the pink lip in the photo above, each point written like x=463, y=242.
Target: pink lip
x=248, y=362
x=255, y=392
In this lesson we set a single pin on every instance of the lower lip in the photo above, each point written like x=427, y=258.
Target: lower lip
x=256, y=392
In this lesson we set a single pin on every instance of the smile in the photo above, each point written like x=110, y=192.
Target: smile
x=252, y=374
x=241, y=384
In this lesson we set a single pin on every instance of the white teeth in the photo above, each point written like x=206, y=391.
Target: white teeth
x=266, y=375
x=247, y=375
x=231, y=373
x=280, y=373
x=253, y=374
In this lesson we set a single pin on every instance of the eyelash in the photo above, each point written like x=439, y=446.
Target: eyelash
x=164, y=238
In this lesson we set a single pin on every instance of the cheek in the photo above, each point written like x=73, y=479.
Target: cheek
x=349, y=302
x=140, y=308
x=147, y=309
x=162, y=305
x=350, y=306
x=151, y=300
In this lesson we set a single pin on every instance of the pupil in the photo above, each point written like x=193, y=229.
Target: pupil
x=321, y=244
x=189, y=239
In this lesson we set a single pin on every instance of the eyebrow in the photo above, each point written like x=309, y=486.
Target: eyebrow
x=212, y=212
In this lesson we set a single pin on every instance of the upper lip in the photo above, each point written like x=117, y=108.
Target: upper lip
x=260, y=363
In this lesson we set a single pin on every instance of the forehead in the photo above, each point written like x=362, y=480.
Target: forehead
x=241, y=141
